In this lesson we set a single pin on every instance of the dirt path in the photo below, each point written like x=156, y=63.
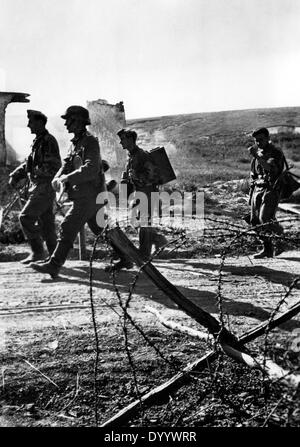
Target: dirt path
x=37, y=312
x=251, y=289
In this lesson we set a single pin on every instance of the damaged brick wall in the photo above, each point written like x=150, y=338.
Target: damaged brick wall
x=106, y=120
x=5, y=99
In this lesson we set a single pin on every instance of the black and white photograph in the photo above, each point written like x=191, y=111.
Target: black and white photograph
x=150, y=217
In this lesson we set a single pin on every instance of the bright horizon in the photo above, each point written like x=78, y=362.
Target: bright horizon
x=160, y=57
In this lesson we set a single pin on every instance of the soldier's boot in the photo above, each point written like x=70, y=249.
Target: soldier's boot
x=159, y=241
x=50, y=248
x=37, y=251
x=279, y=248
x=146, y=242
x=267, y=251
x=124, y=263
x=57, y=260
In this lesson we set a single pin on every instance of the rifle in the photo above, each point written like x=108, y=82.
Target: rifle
x=16, y=198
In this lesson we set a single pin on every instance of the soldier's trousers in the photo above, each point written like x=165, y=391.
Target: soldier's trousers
x=148, y=235
x=264, y=205
x=81, y=212
x=37, y=217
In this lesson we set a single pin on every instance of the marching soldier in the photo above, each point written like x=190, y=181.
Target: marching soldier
x=37, y=217
x=83, y=178
x=266, y=166
x=142, y=176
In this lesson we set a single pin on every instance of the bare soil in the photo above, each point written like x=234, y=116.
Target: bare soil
x=48, y=344
x=47, y=325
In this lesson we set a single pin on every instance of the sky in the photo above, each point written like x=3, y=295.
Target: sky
x=161, y=57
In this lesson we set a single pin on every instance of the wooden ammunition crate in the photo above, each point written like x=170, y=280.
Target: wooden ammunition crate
x=161, y=160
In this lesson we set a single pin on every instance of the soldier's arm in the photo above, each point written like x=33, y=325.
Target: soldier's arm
x=253, y=150
x=89, y=170
x=272, y=165
x=253, y=177
x=66, y=165
x=151, y=172
x=51, y=158
x=146, y=173
x=19, y=173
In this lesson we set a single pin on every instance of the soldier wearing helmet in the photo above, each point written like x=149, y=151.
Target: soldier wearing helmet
x=83, y=178
x=37, y=218
x=266, y=167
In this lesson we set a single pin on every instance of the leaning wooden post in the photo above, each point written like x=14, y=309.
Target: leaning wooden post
x=82, y=244
x=119, y=240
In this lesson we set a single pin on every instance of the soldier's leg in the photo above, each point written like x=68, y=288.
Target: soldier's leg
x=47, y=225
x=268, y=211
x=29, y=217
x=158, y=239
x=124, y=261
x=146, y=242
x=255, y=206
x=76, y=217
x=268, y=214
x=269, y=206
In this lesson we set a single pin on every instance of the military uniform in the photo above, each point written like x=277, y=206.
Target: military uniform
x=82, y=173
x=37, y=217
x=265, y=192
x=143, y=176
x=83, y=167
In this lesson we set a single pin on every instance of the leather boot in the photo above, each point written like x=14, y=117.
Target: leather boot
x=267, y=251
x=50, y=248
x=145, y=242
x=37, y=249
x=57, y=260
x=159, y=241
x=279, y=248
x=122, y=264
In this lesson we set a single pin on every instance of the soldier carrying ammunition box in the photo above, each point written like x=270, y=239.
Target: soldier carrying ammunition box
x=142, y=175
x=266, y=166
x=83, y=178
x=37, y=217
x=82, y=175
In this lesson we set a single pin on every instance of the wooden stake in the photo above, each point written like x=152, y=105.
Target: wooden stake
x=82, y=245
x=153, y=395
x=123, y=244
x=178, y=327
x=176, y=381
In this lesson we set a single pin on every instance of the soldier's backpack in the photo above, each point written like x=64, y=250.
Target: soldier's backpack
x=160, y=158
x=288, y=182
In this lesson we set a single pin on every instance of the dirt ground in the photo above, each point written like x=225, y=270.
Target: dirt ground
x=47, y=344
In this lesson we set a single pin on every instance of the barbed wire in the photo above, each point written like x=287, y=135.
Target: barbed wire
x=237, y=234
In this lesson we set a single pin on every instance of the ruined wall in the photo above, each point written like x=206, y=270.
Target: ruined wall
x=106, y=120
x=5, y=99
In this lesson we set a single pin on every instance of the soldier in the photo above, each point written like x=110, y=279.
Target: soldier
x=142, y=176
x=83, y=178
x=266, y=166
x=37, y=218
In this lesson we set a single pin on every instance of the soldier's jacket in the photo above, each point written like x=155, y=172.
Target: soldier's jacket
x=42, y=163
x=265, y=170
x=83, y=166
x=141, y=171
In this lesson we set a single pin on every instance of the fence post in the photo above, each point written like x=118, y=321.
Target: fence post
x=82, y=244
